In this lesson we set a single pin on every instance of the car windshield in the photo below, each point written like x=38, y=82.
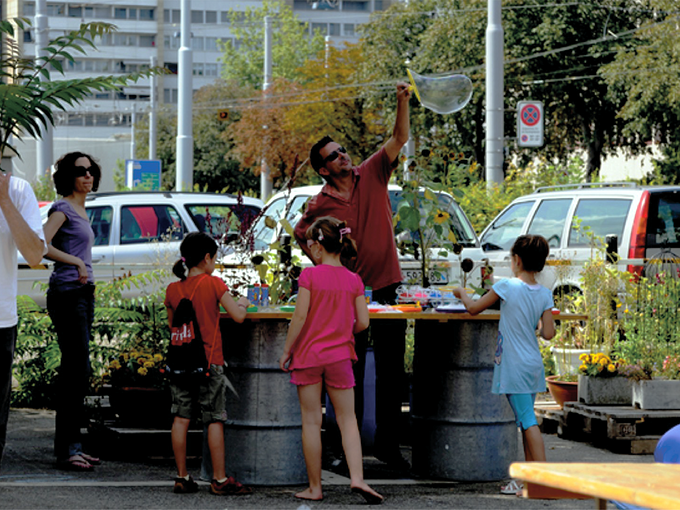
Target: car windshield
x=460, y=225
x=218, y=219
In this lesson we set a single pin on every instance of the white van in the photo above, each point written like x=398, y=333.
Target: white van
x=644, y=219
x=290, y=205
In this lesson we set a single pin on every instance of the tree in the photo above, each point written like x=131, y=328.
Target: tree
x=649, y=77
x=28, y=94
x=326, y=100
x=243, y=60
x=215, y=168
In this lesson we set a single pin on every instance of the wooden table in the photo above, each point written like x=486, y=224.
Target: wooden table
x=647, y=485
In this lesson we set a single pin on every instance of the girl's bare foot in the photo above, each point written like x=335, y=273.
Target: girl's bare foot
x=308, y=493
x=371, y=497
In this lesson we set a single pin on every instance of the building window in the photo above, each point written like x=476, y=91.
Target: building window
x=176, y=16
x=197, y=43
x=349, y=29
x=28, y=36
x=224, y=17
x=334, y=29
x=120, y=13
x=75, y=11
x=197, y=16
x=355, y=6
x=146, y=14
x=211, y=16
x=172, y=67
x=198, y=69
x=211, y=69
x=166, y=15
x=211, y=44
x=320, y=27
x=147, y=41
x=102, y=12
x=132, y=13
x=378, y=5
x=55, y=10
x=29, y=9
x=170, y=96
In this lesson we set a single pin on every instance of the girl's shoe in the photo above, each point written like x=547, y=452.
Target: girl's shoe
x=230, y=487
x=514, y=487
x=184, y=486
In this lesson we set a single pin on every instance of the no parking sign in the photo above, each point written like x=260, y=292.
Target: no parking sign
x=530, y=123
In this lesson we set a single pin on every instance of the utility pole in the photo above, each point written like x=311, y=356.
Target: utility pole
x=133, y=121
x=266, y=183
x=153, y=104
x=494, y=96
x=184, y=180
x=43, y=142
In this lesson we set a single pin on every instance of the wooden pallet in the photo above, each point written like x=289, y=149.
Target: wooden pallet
x=618, y=428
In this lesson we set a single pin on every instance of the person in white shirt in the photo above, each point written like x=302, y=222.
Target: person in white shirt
x=20, y=228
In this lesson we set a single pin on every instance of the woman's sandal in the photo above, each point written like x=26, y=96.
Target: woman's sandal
x=514, y=487
x=90, y=459
x=76, y=463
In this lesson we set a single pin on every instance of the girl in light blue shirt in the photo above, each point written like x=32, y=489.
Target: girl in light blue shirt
x=518, y=369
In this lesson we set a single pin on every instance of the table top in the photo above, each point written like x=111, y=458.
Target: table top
x=486, y=315
x=647, y=485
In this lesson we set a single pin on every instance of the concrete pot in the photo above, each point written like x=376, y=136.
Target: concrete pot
x=602, y=391
x=656, y=394
x=567, y=360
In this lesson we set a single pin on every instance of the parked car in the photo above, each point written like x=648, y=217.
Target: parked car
x=290, y=205
x=140, y=231
x=645, y=219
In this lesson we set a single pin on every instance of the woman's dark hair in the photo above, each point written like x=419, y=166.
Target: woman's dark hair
x=334, y=236
x=194, y=248
x=65, y=175
x=532, y=251
x=315, y=158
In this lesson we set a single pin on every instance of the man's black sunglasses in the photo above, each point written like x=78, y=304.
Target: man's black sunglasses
x=81, y=171
x=334, y=155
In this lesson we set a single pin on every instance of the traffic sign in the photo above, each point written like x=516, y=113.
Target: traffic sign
x=530, y=124
x=223, y=114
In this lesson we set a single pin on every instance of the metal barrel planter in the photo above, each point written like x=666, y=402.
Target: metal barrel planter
x=263, y=441
x=461, y=431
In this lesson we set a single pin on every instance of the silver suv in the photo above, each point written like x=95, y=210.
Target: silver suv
x=139, y=231
x=644, y=219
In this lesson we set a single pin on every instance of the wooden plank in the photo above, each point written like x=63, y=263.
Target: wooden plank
x=538, y=491
x=487, y=315
x=648, y=485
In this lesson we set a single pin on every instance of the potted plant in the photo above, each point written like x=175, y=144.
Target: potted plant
x=600, y=381
x=652, y=340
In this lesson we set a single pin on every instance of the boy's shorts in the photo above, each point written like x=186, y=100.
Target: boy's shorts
x=211, y=397
x=336, y=375
x=523, y=406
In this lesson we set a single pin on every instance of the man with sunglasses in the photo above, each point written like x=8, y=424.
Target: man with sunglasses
x=20, y=228
x=358, y=195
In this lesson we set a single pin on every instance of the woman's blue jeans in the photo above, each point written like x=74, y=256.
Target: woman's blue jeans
x=72, y=313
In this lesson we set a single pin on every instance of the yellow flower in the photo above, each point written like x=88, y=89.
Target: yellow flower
x=115, y=364
x=157, y=357
x=600, y=368
x=441, y=217
x=611, y=368
x=604, y=361
x=142, y=371
x=583, y=368
x=584, y=357
x=148, y=364
x=126, y=356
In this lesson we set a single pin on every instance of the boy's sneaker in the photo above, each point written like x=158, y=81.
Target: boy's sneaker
x=184, y=486
x=230, y=487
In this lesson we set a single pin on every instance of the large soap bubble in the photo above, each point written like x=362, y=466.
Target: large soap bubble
x=445, y=93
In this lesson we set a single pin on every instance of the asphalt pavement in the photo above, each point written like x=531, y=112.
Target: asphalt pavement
x=30, y=480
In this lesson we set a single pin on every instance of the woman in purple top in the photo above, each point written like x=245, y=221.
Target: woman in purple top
x=70, y=300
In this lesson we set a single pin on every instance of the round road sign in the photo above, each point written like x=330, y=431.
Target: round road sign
x=530, y=115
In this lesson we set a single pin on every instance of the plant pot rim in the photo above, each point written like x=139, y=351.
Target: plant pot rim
x=554, y=379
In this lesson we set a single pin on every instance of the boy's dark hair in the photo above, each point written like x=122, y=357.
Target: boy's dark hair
x=65, y=175
x=333, y=240
x=193, y=249
x=532, y=251
x=315, y=158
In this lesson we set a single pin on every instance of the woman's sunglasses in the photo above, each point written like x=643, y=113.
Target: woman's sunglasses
x=334, y=155
x=81, y=171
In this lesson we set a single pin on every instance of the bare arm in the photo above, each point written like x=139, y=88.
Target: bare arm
x=362, y=314
x=237, y=310
x=296, y=324
x=28, y=242
x=402, y=125
x=474, y=307
x=547, y=325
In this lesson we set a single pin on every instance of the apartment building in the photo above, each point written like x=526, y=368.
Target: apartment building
x=146, y=29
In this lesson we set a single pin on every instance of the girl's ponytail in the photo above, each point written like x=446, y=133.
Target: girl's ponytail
x=348, y=247
x=194, y=248
x=179, y=269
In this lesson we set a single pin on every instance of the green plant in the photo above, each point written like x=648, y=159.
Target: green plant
x=649, y=320
x=28, y=93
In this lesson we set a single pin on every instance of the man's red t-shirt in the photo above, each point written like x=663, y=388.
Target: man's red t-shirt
x=206, y=301
x=369, y=214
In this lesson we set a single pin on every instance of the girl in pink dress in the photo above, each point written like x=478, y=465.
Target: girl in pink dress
x=330, y=309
